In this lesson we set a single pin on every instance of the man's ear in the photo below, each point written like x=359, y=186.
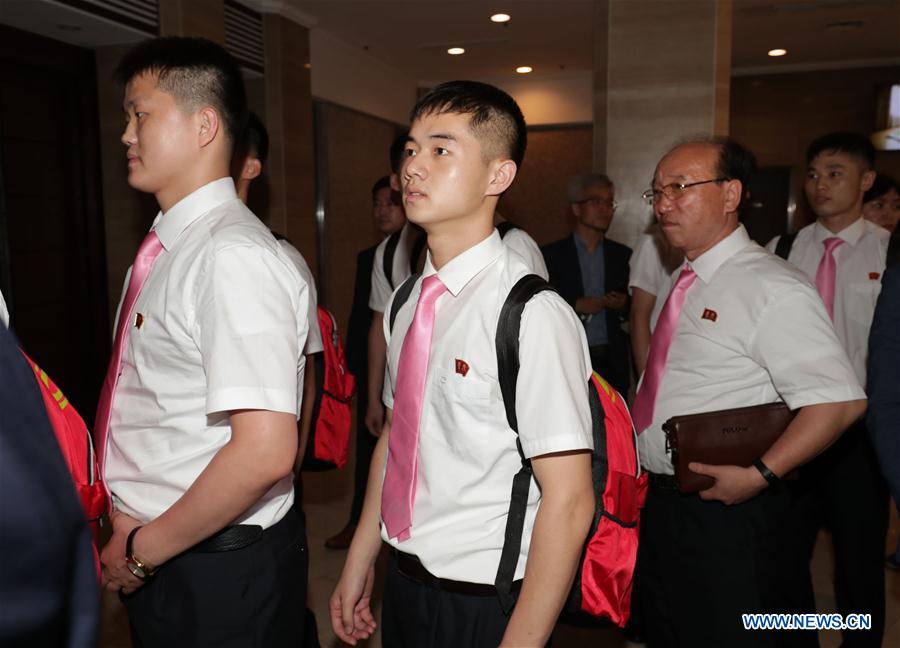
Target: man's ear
x=734, y=189
x=868, y=179
x=504, y=172
x=251, y=169
x=395, y=182
x=208, y=121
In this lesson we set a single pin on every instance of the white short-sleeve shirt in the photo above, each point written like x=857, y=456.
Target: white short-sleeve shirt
x=648, y=269
x=4, y=313
x=381, y=287
x=860, y=264
x=467, y=451
x=519, y=240
x=516, y=239
x=219, y=325
x=752, y=331
x=314, y=337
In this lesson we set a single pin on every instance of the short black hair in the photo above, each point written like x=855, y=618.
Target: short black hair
x=882, y=185
x=496, y=118
x=395, y=154
x=196, y=71
x=852, y=144
x=254, y=140
x=381, y=183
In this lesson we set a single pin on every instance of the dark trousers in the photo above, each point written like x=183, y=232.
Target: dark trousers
x=703, y=564
x=365, y=446
x=844, y=491
x=603, y=361
x=415, y=615
x=254, y=597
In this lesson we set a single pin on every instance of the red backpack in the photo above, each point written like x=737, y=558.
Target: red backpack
x=77, y=450
x=603, y=583
x=329, y=435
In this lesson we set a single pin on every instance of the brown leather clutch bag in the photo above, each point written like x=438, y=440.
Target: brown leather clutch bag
x=734, y=437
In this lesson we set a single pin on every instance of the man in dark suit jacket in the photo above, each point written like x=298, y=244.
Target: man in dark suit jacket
x=48, y=583
x=883, y=417
x=387, y=213
x=591, y=273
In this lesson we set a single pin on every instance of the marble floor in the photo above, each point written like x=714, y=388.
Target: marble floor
x=327, y=502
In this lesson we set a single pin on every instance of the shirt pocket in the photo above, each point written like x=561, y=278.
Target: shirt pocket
x=465, y=405
x=862, y=297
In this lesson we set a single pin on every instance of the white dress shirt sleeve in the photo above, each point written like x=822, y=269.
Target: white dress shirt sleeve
x=646, y=268
x=552, y=406
x=4, y=313
x=521, y=242
x=381, y=287
x=795, y=342
x=251, y=325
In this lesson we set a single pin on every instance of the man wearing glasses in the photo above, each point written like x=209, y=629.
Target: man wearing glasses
x=591, y=273
x=737, y=328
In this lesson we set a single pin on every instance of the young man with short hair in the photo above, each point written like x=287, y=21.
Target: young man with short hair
x=197, y=422
x=443, y=492
x=247, y=165
x=843, y=490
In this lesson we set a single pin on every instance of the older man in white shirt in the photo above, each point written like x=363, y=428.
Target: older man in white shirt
x=751, y=330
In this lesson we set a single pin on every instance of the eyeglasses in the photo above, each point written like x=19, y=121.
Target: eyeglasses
x=673, y=191
x=599, y=202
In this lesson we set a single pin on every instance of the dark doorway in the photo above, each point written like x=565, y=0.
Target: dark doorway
x=53, y=263
x=767, y=210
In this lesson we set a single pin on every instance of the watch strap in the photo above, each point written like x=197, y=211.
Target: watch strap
x=767, y=474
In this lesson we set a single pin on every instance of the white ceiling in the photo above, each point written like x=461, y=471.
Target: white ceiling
x=552, y=36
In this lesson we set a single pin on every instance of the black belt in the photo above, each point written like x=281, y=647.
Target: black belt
x=231, y=538
x=411, y=567
x=662, y=482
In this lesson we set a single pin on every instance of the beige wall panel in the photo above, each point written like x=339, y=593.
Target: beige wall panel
x=357, y=156
x=537, y=199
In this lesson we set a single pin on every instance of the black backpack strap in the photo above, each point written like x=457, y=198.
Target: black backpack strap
x=400, y=298
x=387, y=261
x=893, y=251
x=504, y=228
x=784, y=245
x=507, y=343
x=417, y=248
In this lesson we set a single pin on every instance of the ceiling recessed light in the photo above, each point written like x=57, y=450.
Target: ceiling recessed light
x=456, y=51
x=500, y=18
x=777, y=52
x=523, y=69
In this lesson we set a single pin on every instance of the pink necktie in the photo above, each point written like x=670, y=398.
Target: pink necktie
x=399, y=490
x=826, y=275
x=146, y=255
x=645, y=400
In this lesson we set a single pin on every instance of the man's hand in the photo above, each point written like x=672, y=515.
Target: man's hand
x=733, y=483
x=350, y=605
x=589, y=305
x=115, y=575
x=375, y=418
x=615, y=300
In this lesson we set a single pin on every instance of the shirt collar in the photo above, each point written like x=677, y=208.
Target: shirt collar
x=580, y=244
x=849, y=234
x=461, y=269
x=170, y=225
x=707, y=263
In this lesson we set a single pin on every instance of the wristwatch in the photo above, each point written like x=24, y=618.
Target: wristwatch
x=140, y=569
